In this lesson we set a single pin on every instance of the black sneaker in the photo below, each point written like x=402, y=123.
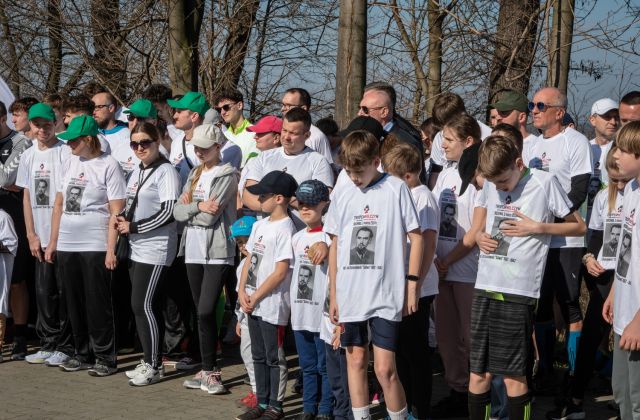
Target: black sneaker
x=253, y=414
x=73, y=365
x=306, y=416
x=19, y=348
x=453, y=405
x=272, y=414
x=568, y=411
x=102, y=370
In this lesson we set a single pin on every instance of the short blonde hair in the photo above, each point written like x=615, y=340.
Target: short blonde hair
x=403, y=159
x=358, y=149
x=628, y=138
x=497, y=154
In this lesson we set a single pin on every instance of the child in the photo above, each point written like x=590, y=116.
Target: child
x=8, y=248
x=413, y=357
x=519, y=209
x=622, y=307
x=369, y=288
x=308, y=293
x=264, y=289
x=605, y=228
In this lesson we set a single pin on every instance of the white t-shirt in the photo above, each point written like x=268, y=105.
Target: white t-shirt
x=308, y=283
x=429, y=217
x=437, y=151
x=87, y=186
x=599, y=160
x=528, y=145
x=456, y=216
x=229, y=153
x=39, y=171
x=196, y=244
x=304, y=166
x=269, y=243
x=565, y=155
x=174, y=133
x=238, y=309
x=319, y=142
x=245, y=141
x=611, y=225
x=232, y=154
x=517, y=265
x=158, y=245
x=371, y=226
x=116, y=137
x=627, y=284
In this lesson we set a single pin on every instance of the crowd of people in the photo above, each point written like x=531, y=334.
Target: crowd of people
x=145, y=223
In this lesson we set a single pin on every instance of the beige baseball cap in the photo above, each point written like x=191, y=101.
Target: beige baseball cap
x=206, y=135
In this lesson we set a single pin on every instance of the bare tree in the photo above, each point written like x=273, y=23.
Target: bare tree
x=109, y=54
x=185, y=22
x=351, y=59
x=54, y=24
x=560, y=41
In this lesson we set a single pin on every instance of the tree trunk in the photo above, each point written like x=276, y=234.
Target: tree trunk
x=560, y=42
x=185, y=22
x=14, y=66
x=434, y=81
x=54, y=22
x=514, y=46
x=108, y=59
x=240, y=24
x=351, y=61
x=262, y=40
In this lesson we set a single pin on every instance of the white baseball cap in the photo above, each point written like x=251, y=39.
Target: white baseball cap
x=206, y=135
x=602, y=106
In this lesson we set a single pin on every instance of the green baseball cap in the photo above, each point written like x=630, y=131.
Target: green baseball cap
x=82, y=125
x=510, y=100
x=43, y=111
x=142, y=108
x=193, y=101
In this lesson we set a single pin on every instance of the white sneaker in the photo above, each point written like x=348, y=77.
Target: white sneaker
x=56, y=359
x=39, y=357
x=141, y=367
x=147, y=375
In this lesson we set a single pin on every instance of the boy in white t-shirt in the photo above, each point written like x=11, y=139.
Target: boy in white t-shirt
x=518, y=207
x=308, y=293
x=8, y=248
x=38, y=174
x=413, y=357
x=369, y=222
x=264, y=289
x=622, y=307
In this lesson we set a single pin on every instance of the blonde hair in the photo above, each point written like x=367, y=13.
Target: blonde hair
x=611, y=165
x=628, y=138
x=197, y=172
x=93, y=143
x=403, y=159
x=358, y=149
x=496, y=155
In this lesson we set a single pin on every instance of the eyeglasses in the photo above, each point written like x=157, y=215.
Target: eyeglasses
x=101, y=106
x=542, y=107
x=366, y=110
x=135, y=145
x=225, y=107
x=289, y=107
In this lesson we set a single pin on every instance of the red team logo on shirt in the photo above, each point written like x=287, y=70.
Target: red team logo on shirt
x=366, y=209
x=42, y=166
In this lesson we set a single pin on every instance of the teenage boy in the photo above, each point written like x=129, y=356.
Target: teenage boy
x=413, y=358
x=266, y=302
x=19, y=111
x=372, y=296
x=230, y=106
x=520, y=203
x=308, y=294
x=74, y=106
x=622, y=307
x=38, y=174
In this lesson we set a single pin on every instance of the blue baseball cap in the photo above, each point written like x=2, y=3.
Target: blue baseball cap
x=243, y=226
x=312, y=192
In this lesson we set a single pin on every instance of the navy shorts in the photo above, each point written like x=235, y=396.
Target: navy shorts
x=384, y=333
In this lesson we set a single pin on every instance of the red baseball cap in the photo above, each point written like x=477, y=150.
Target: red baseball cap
x=268, y=124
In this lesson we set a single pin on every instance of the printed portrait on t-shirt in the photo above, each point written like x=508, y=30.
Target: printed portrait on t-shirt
x=41, y=188
x=497, y=235
x=448, y=224
x=254, y=265
x=305, y=282
x=611, y=240
x=594, y=187
x=624, y=256
x=327, y=302
x=74, y=198
x=362, y=240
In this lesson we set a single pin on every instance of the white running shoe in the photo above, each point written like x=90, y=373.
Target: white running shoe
x=139, y=368
x=147, y=375
x=39, y=357
x=56, y=359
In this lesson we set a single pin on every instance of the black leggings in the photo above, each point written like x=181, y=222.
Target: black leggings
x=206, y=281
x=53, y=325
x=146, y=304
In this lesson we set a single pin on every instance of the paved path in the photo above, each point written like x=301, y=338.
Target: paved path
x=38, y=392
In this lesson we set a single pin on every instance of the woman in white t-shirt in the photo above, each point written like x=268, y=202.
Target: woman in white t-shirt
x=90, y=193
x=152, y=191
x=208, y=206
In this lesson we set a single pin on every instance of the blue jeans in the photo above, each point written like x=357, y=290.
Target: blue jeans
x=337, y=373
x=314, y=373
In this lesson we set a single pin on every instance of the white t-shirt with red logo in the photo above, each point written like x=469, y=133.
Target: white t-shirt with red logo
x=429, y=216
x=610, y=223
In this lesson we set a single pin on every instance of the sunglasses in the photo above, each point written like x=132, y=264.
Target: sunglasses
x=542, y=107
x=101, y=106
x=225, y=107
x=135, y=145
x=366, y=110
x=132, y=117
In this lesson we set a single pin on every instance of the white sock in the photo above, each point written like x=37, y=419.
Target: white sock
x=398, y=415
x=361, y=413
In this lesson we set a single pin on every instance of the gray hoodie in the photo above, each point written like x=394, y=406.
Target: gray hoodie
x=224, y=186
